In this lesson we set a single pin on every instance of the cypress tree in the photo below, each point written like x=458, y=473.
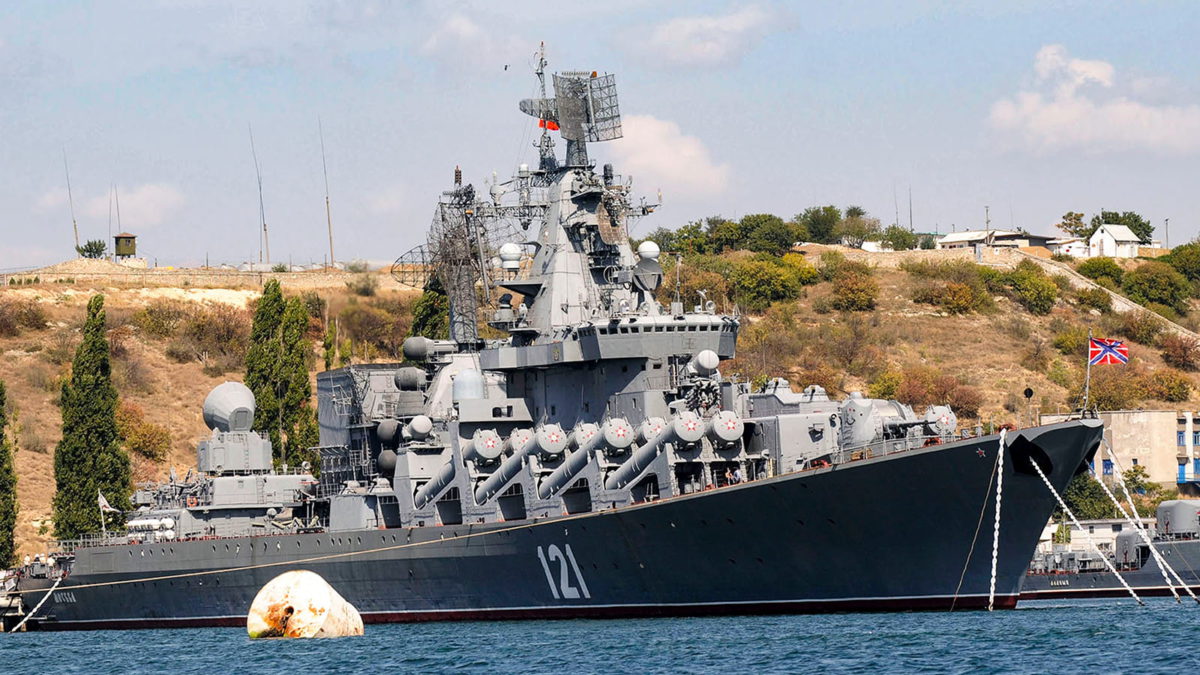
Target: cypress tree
x=89, y=459
x=431, y=313
x=8, y=489
x=294, y=388
x=262, y=361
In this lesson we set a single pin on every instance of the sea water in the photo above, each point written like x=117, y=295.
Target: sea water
x=1100, y=636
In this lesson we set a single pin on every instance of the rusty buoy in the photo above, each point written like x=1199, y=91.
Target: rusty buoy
x=301, y=604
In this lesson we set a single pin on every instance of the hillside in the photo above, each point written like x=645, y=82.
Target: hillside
x=173, y=344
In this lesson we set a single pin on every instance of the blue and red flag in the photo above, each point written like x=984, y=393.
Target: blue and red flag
x=1104, y=351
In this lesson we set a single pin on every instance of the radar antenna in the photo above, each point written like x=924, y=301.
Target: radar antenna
x=584, y=108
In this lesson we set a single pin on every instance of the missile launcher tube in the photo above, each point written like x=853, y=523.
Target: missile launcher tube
x=641, y=458
x=616, y=433
x=435, y=486
x=549, y=438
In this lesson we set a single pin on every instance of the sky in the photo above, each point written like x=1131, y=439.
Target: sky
x=1030, y=109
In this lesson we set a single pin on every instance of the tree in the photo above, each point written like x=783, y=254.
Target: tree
x=8, y=489
x=1086, y=499
x=296, y=419
x=724, y=234
x=1072, y=225
x=820, y=222
x=93, y=248
x=856, y=212
x=854, y=230
x=431, y=313
x=262, y=361
x=766, y=233
x=899, y=238
x=89, y=460
x=1186, y=259
x=1136, y=224
x=1156, y=282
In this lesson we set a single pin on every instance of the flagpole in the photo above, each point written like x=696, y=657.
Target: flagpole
x=100, y=505
x=1087, y=378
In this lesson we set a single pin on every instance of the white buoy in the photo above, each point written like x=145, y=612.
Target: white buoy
x=301, y=604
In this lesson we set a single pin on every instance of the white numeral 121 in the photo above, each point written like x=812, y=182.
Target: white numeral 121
x=563, y=588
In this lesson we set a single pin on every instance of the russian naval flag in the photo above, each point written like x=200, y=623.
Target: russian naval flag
x=1102, y=351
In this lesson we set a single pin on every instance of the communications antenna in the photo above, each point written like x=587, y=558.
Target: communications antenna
x=71, y=199
x=264, y=240
x=328, y=213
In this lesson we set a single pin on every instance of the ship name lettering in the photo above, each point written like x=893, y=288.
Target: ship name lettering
x=563, y=589
x=64, y=597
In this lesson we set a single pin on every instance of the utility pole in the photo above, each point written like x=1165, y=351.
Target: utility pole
x=1166, y=233
x=328, y=213
x=987, y=225
x=71, y=199
x=910, y=223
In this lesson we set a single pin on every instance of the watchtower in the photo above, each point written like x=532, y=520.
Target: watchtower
x=125, y=245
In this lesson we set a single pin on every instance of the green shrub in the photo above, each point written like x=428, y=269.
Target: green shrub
x=1073, y=340
x=1062, y=281
x=1156, y=282
x=160, y=318
x=922, y=386
x=1180, y=351
x=1062, y=258
x=831, y=264
x=1168, y=385
x=1094, y=298
x=1185, y=259
x=147, y=439
x=885, y=384
x=1059, y=373
x=854, y=291
x=1036, y=293
x=803, y=270
x=755, y=284
x=314, y=304
x=357, y=267
x=1140, y=326
x=16, y=314
x=365, y=284
x=279, y=267
x=1101, y=268
x=1112, y=388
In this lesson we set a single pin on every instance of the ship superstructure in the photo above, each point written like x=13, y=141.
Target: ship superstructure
x=588, y=459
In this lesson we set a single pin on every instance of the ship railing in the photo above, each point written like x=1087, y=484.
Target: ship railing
x=892, y=446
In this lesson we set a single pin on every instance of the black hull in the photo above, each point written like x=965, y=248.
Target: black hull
x=910, y=531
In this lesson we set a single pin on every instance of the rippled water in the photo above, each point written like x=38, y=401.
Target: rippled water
x=1094, y=636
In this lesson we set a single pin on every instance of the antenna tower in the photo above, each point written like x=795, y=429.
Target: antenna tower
x=264, y=241
x=71, y=199
x=328, y=213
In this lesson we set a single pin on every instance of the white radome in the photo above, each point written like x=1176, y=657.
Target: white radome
x=648, y=250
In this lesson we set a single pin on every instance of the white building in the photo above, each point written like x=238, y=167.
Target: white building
x=1114, y=241
x=1072, y=246
x=1166, y=443
x=1003, y=238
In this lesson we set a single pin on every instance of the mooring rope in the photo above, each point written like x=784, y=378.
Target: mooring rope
x=1133, y=521
x=1067, y=510
x=974, y=538
x=1164, y=566
x=996, y=526
x=39, y=606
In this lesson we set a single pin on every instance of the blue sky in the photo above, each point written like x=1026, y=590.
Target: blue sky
x=1031, y=108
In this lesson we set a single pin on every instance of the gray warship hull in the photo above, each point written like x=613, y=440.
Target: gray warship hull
x=1183, y=556
x=907, y=531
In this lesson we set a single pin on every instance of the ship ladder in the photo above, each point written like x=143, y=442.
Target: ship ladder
x=996, y=525
x=1075, y=521
x=1163, y=566
x=38, y=606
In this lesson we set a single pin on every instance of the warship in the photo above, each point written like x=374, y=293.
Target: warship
x=582, y=455
x=1166, y=570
